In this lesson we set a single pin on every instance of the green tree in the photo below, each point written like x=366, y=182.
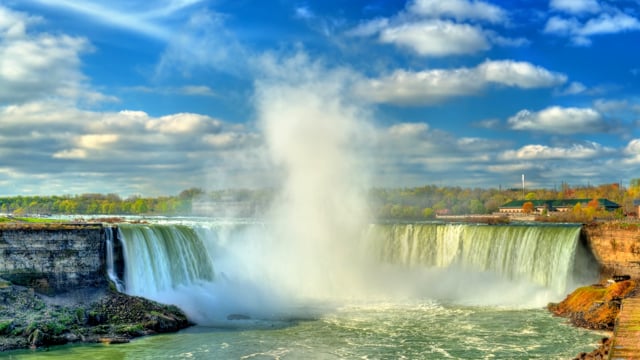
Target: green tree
x=476, y=207
x=139, y=206
x=428, y=213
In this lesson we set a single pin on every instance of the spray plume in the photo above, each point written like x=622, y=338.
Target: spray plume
x=313, y=130
x=308, y=252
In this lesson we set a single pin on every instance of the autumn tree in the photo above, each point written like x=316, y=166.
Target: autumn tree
x=528, y=207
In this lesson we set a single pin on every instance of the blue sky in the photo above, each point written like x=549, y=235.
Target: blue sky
x=150, y=98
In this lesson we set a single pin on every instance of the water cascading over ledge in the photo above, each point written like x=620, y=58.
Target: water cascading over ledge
x=551, y=256
x=160, y=258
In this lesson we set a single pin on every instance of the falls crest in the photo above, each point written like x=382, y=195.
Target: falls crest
x=543, y=255
x=160, y=258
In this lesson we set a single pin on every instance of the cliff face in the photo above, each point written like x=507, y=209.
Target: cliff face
x=616, y=246
x=53, y=259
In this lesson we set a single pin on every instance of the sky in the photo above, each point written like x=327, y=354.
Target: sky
x=151, y=98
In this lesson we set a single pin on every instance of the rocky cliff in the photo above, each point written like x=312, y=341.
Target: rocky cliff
x=616, y=246
x=53, y=258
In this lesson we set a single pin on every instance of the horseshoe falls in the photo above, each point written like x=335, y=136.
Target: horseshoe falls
x=418, y=291
x=213, y=269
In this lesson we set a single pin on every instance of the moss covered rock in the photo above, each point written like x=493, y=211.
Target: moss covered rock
x=31, y=320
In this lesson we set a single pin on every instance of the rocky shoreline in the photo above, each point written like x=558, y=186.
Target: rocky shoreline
x=595, y=307
x=91, y=315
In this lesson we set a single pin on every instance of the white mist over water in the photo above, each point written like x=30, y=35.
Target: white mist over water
x=313, y=131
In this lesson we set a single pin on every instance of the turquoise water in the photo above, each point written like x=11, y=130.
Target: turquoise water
x=382, y=331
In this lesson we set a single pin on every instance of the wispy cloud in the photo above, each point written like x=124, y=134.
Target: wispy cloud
x=187, y=90
x=146, y=18
x=459, y=9
x=575, y=6
x=585, y=19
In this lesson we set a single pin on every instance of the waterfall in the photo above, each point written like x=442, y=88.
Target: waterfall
x=540, y=254
x=111, y=264
x=506, y=265
x=161, y=258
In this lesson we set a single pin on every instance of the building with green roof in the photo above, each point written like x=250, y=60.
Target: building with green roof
x=516, y=206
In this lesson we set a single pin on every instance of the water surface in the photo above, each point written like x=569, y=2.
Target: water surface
x=425, y=330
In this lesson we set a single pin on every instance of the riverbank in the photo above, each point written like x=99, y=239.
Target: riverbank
x=616, y=247
x=91, y=315
x=596, y=307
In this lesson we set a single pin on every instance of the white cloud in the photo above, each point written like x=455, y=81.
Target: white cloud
x=441, y=28
x=432, y=86
x=97, y=141
x=163, y=154
x=544, y=152
x=519, y=74
x=632, y=150
x=70, y=154
x=574, y=88
x=559, y=120
x=437, y=38
x=516, y=168
x=14, y=24
x=38, y=65
x=369, y=28
x=408, y=129
x=183, y=123
x=575, y=6
x=611, y=106
x=611, y=20
x=459, y=10
x=610, y=24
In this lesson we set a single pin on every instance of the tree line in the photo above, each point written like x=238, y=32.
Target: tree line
x=427, y=201
x=385, y=203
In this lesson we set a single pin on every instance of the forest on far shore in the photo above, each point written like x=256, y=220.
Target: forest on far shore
x=415, y=203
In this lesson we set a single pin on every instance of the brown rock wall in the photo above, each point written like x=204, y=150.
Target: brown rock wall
x=616, y=246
